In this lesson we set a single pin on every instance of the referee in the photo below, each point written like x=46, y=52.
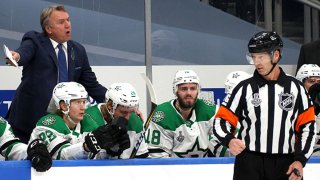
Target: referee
x=276, y=117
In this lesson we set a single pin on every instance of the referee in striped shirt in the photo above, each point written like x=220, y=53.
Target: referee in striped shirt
x=276, y=117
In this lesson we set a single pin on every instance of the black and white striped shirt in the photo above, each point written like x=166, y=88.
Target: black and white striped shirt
x=275, y=117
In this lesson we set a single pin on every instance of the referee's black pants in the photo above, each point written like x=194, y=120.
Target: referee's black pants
x=262, y=166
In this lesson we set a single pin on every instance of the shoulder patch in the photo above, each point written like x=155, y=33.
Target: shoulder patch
x=2, y=121
x=158, y=116
x=208, y=102
x=49, y=121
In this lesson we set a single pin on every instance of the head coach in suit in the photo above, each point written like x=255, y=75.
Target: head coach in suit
x=38, y=54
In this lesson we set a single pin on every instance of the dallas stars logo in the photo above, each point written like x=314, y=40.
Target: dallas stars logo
x=235, y=75
x=61, y=86
x=158, y=116
x=194, y=151
x=2, y=120
x=117, y=88
x=49, y=121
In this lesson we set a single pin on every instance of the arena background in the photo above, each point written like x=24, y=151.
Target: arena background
x=185, y=34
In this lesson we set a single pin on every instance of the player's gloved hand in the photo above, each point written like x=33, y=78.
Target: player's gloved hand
x=91, y=143
x=103, y=137
x=121, y=122
x=314, y=92
x=123, y=141
x=39, y=155
x=122, y=144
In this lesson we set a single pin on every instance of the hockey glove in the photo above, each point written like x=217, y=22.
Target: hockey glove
x=122, y=123
x=124, y=141
x=92, y=144
x=103, y=137
x=39, y=155
x=122, y=144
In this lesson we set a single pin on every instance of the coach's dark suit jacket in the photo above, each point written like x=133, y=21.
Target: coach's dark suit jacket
x=309, y=54
x=40, y=75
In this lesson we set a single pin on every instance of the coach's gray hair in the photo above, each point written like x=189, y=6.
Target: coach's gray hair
x=46, y=13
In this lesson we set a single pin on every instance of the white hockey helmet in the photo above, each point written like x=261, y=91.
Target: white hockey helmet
x=233, y=79
x=185, y=76
x=67, y=91
x=308, y=70
x=123, y=94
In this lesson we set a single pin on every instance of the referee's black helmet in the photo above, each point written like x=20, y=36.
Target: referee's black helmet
x=265, y=41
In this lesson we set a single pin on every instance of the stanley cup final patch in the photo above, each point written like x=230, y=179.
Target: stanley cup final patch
x=286, y=101
x=256, y=101
x=180, y=137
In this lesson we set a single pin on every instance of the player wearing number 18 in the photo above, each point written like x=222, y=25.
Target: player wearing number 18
x=182, y=127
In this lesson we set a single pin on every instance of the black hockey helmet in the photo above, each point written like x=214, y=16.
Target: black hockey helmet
x=265, y=41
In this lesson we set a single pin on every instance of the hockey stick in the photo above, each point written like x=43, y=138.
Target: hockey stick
x=154, y=104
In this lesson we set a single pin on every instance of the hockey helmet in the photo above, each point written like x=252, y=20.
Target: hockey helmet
x=265, y=41
x=308, y=70
x=67, y=91
x=123, y=94
x=185, y=76
x=233, y=79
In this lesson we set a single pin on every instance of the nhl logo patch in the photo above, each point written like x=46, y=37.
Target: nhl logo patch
x=49, y=121
x=286, y=101
x=158, y=116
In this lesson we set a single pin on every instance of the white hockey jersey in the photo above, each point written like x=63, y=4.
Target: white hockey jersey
x=10, y=146
x=62, y=142
x=317, y=145
x=135, y=130
x=169, y=135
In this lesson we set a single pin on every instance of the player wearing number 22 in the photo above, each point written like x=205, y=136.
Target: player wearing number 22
x=65, y=131
x=182, y=127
